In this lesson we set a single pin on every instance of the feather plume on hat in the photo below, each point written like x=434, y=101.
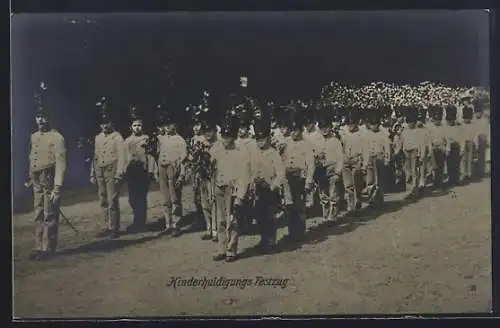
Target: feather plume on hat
x=135, y=113
x=102, y=106
x=39, y=96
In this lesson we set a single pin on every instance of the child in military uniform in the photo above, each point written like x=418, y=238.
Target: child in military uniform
x=468, y=140
x=204, y=175
x=299, y=164
x=355, y=151
x=412, y=145
x=313, y=134
x=47, y=165
x=452, y=133
x=107, y=170
x=140, y=168
x=172, y=151
x=329, y=166
x=438, y=146
x=379, y=152
x=425, y=156
x=481, y=130
x=246, y=142
x=231, y=180
x=267, y=174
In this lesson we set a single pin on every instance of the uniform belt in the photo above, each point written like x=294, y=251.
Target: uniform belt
x=293, y=170
x=137, y=162
x=329, y=164
x=223, y=183
x=351, y=159
x=166, y=164
x=100, y=164
x=44, y=167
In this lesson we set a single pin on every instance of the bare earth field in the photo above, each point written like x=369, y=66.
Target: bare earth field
x=432, y=256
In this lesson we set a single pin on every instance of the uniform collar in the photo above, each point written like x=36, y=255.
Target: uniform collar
x=46, y=130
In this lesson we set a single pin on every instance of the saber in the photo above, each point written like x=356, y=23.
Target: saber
x=29, y=184
x=68, y=222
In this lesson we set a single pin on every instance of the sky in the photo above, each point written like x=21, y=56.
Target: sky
x=130, y=58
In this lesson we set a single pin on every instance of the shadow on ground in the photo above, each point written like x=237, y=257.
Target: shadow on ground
x=345, y=224
x=351, y=221
x=24, y=204
x=107, y=245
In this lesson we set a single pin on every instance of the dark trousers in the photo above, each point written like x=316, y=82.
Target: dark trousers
x=296, y=206
x=138, y=186
x=438, y=159
x=266, y=204
x=453, y=164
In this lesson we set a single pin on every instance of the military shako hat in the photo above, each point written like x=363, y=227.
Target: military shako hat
x=163, y=115
x=421, y=113
x=372, y=116
x=309, y=111
x=41, y=111
x=352, y=115
x=385, y=113
x=295, y=118
x=325, y=115
x=262, y=121
x=230, y=123
x=135, y=113
x=262, y=128
x=435, y=112
x=104, y=114
x=410, y=114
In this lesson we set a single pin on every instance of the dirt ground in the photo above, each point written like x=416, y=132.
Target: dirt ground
x=429, y=256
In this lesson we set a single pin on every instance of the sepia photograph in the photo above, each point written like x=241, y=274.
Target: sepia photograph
x=250, y=163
